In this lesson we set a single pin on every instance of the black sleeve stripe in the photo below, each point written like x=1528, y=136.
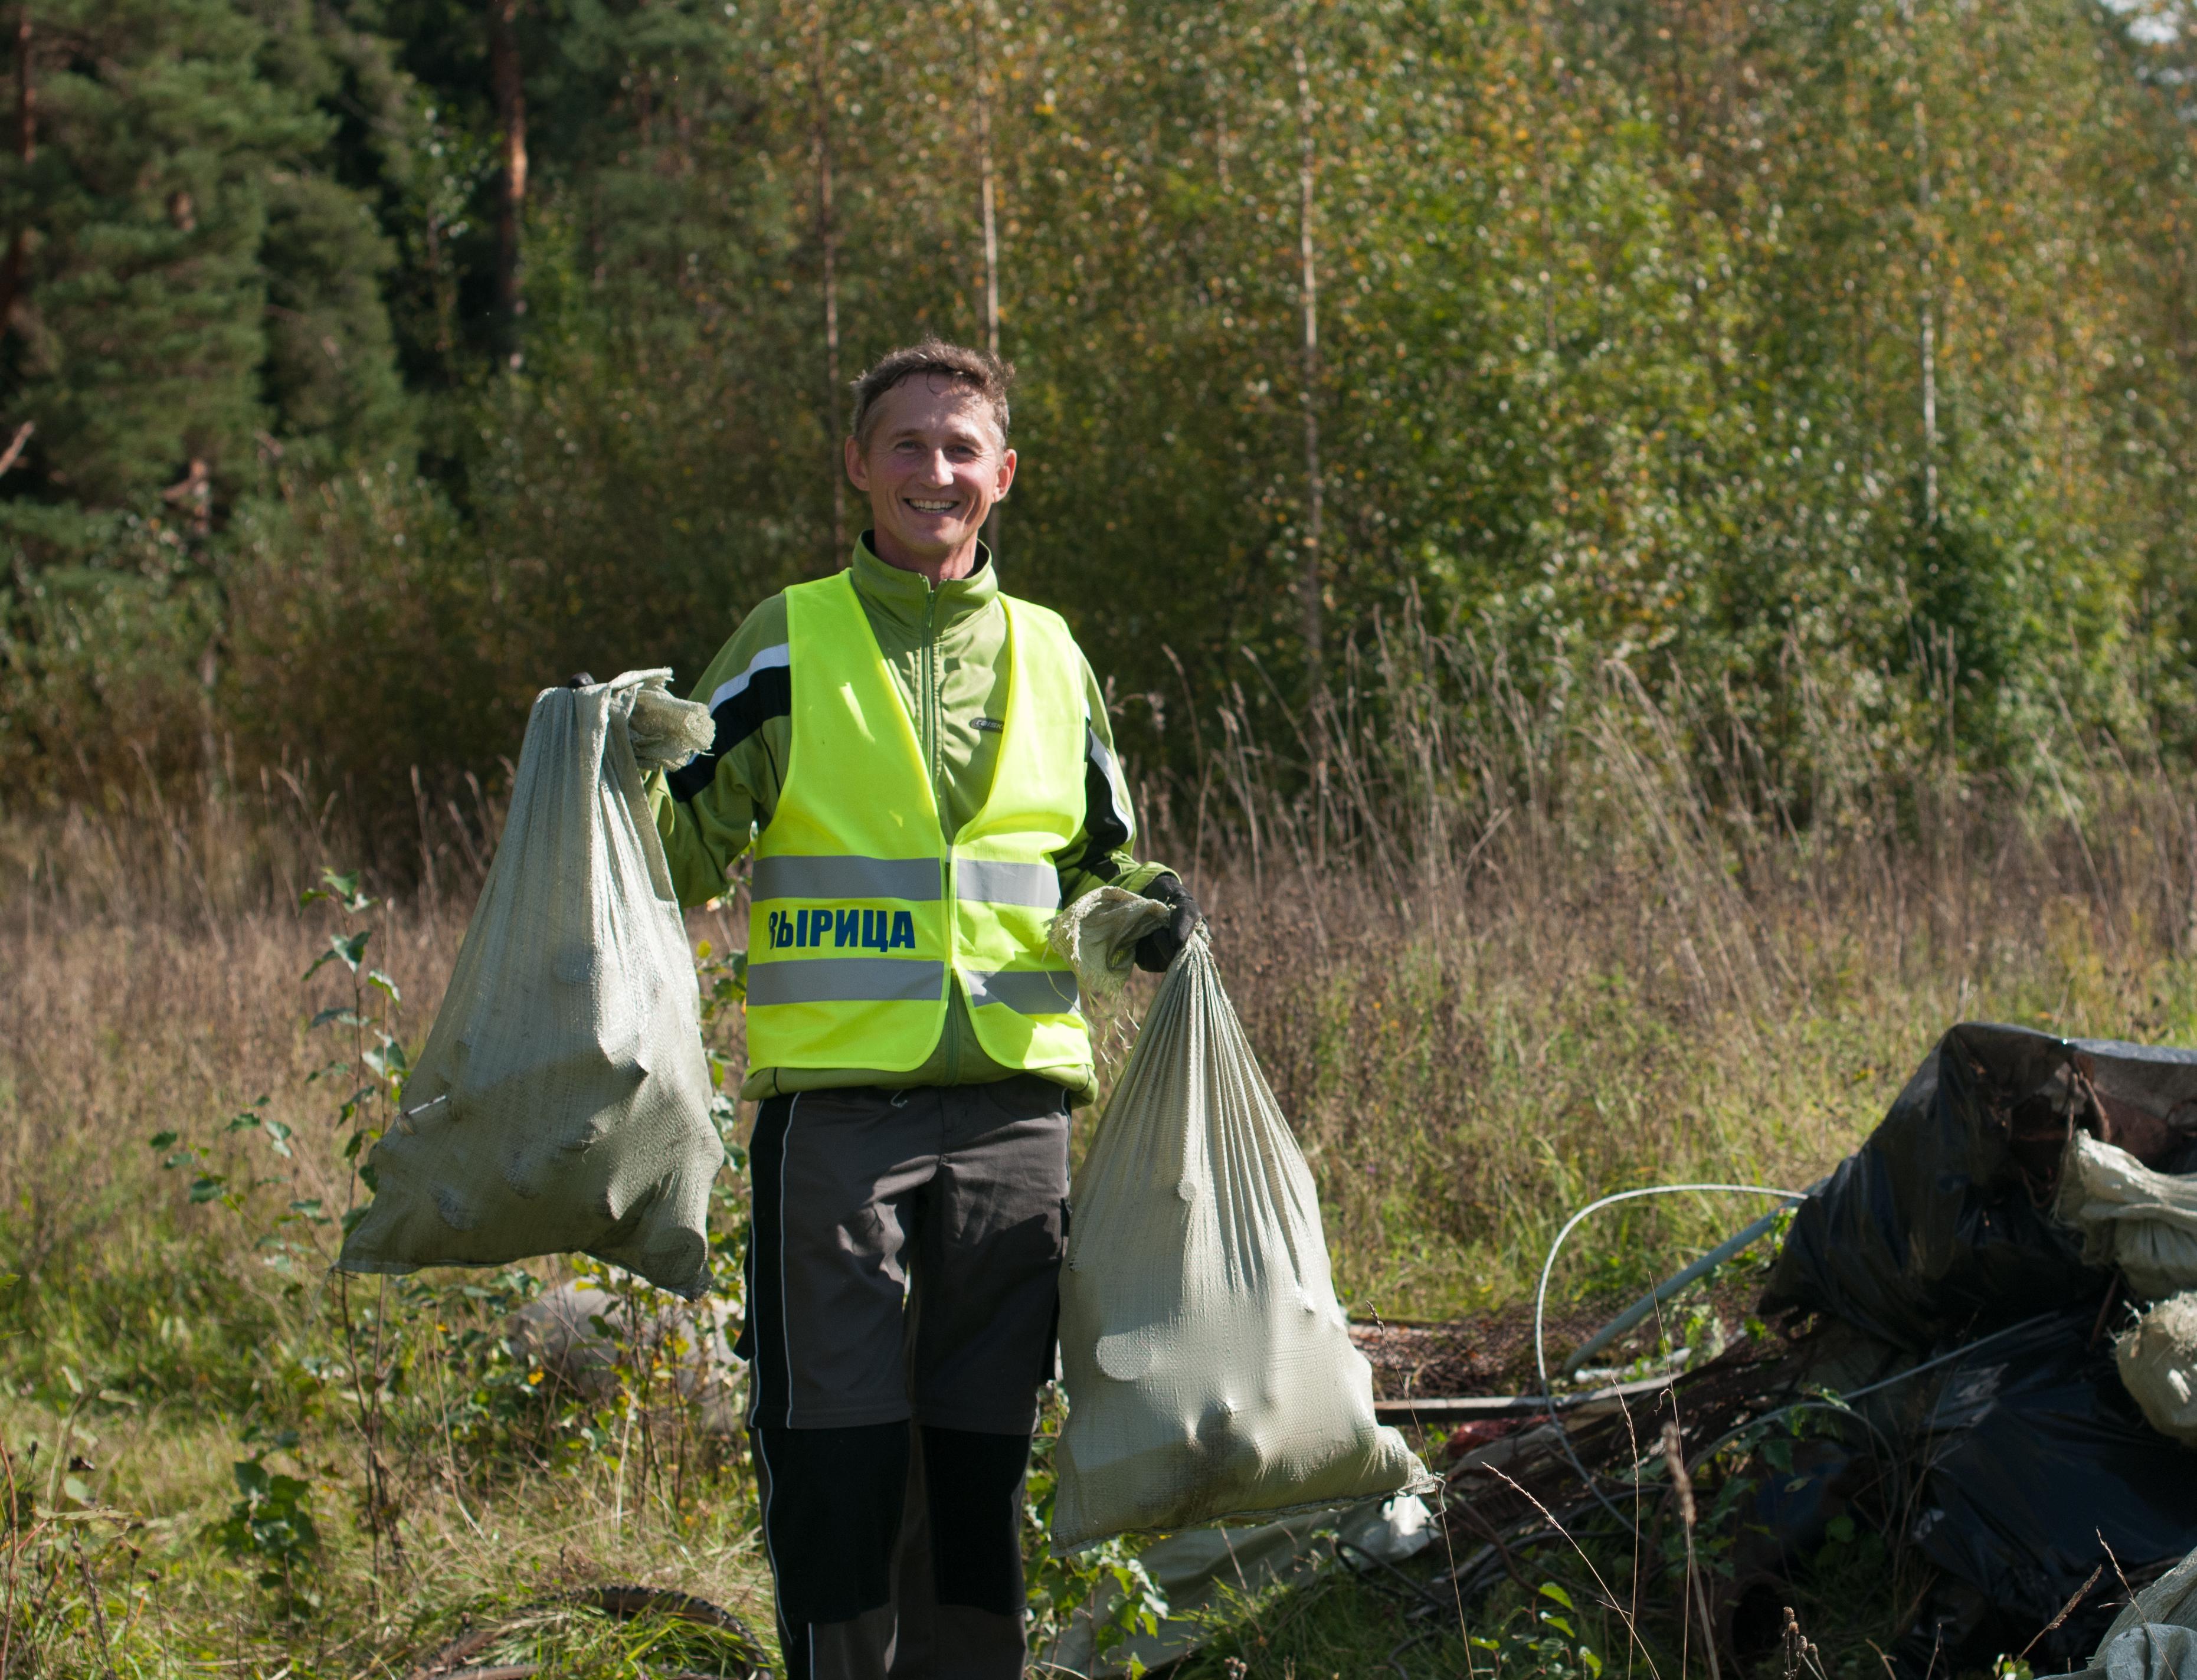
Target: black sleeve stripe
x=768, y=693
x=1106, y=823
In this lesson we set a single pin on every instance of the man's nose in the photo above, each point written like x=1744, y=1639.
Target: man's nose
x=938, y=470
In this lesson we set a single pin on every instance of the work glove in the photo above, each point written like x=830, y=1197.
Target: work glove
x=1164, y=943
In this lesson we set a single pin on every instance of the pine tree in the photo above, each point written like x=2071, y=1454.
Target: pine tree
x=331, y=373
x=194, y=278
x=192, y=296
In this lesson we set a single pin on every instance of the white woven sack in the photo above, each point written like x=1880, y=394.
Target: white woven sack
x=2142, y=1221
x=1209, y=1369
x=562, y=1102
x=2155, y=1638
x=2157, y=1361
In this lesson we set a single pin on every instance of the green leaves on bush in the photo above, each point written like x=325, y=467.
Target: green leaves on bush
x=271, y=1525
x=1107, y=1580
x=346, y=948
x=1540, y=1641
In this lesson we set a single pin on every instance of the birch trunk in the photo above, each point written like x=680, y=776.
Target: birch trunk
x=508, y=85
x=1308, y=577
x=991, y=227
x=1927, y=322
x=1928, y=332
x=827, y=238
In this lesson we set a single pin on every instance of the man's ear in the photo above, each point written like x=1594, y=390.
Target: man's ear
x=858, y=469
x=1006, y=475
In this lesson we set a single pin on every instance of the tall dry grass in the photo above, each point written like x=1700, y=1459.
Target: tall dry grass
x=1503, y=945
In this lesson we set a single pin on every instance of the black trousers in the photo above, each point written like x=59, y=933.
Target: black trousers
x=896, y=1549
x=902, y=1300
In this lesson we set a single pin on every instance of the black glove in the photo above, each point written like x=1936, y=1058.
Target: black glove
x=1164, y=944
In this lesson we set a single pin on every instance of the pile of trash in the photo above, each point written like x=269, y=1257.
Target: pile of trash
x=2007, y=1266
x=1982, y=1360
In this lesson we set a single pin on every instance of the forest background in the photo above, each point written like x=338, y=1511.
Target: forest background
x=365, y=365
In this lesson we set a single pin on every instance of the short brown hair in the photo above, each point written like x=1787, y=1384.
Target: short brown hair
x=987, y=376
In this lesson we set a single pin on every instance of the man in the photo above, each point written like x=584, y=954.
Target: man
x=928, y=766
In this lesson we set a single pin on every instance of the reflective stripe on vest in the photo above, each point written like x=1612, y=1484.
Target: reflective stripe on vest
x=846, y=877
x=862, y=915
x=843, y=980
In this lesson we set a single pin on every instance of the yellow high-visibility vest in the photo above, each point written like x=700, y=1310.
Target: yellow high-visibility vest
x=862, y=915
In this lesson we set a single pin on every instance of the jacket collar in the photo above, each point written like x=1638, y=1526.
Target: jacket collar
x=902, y=596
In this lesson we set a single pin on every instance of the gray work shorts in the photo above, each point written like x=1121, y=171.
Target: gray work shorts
x=905, y=1255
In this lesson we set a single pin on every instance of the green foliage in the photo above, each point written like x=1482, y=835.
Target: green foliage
x=361, y=616
x=270, y=1527
x=207, y=1183
x=196, y=278
x=1538, y=1640
x=1105, y=1581
x=374, y=1071
x=1801, y=355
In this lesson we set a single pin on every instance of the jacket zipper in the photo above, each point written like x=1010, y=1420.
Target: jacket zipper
x=934, y=752
x=931, y=746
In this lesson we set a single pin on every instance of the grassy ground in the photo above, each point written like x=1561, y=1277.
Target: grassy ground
x=1480, y=1014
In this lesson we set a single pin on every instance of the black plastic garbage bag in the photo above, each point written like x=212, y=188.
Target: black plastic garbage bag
x=2037, y=1461
x=1940, y=1225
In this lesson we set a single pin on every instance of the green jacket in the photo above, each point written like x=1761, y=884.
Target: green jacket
x=945, y=648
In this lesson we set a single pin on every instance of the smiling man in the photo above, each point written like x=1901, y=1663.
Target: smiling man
x=925, y=764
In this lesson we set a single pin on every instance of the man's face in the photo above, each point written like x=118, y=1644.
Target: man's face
x=935, y=465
